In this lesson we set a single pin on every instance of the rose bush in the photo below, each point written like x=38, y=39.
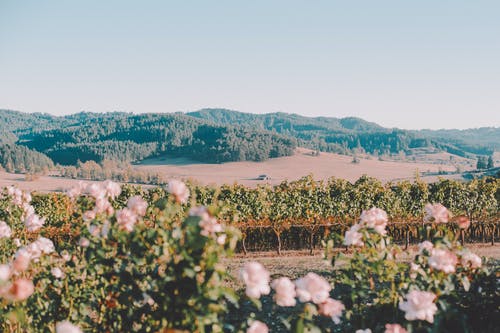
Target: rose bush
x=120, y=259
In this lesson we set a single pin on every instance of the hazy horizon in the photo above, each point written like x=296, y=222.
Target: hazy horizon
x=419, y=65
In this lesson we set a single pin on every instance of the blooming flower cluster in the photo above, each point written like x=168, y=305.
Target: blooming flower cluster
x=22, y=200
x=443, y=260
x=374, y=218
x=310, y=288
x=419, y=305
x=101, y=192
x=210, y=227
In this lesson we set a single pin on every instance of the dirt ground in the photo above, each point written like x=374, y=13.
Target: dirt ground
x=294, y=264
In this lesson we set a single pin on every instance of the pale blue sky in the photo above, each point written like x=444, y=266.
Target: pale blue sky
x=409, y=64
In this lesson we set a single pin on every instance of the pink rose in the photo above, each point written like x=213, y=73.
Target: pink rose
x=179, y=190
x=470, y=260
x=313, y=287
x=425, y=245
x=138, y=205
x=256, y=279
x=258, y=327
x=332, y=308
x=21, y=260
x=419, y=305
x=5, y=272
x=394, y=328
x=285, y=292
x=375, y=218
x=5, y=231
x=353, y=236
x=20, y=290
x=443, y=260
x=67, y=327
x=111, y=189
x=126, y=219
x=436, y=213
x=33, y=222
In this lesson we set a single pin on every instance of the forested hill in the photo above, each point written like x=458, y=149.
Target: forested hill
x=345, y=134
x=35, y=141
x=127, y=137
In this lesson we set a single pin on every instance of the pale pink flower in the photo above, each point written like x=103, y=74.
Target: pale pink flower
x=57, y=273
x=313, y=287
x=256, y=279
x=19, y=198
x=103, y=206
x=463, y=222
x=470, y=260
x=112, y=189
x=221, y=239
x=41, y=246
x=20, y=290
x=414, y=269
x=65, y=255
x=332, y=308
x=5, y=272
x=443, y=260
x=394, y=328
x=126, y=219
x=33, y=222
x=419, y=305
x=353, y=236
x=258, y=327
x=21, y=260
x=67, y=327
x=5, y=231
x=138, y=205
x=96, y=190
x=83, y=242
x=376, y=219
x=425, y=245
x=436, y=213
x=285, y=292
x=27, y=210
x=179, y=190
x=93, y=230
x=209, y=225
x=17, y=242
x=45, y=245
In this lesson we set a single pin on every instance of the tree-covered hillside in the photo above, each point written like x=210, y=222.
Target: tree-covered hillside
x=209, y=135
x=127, y=137
x=344, y=134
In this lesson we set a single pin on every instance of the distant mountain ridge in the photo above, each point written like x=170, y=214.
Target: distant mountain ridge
x=328, y=133
x=212, y=135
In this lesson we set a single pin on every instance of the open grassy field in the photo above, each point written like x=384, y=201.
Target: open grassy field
x=293, y=167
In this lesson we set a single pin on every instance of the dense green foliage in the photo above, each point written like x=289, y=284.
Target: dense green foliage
x=14, y=158
x=216, y=136
x=126, y=137
x=342, y=135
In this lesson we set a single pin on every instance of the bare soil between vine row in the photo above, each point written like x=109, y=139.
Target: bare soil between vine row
x=294, y=264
